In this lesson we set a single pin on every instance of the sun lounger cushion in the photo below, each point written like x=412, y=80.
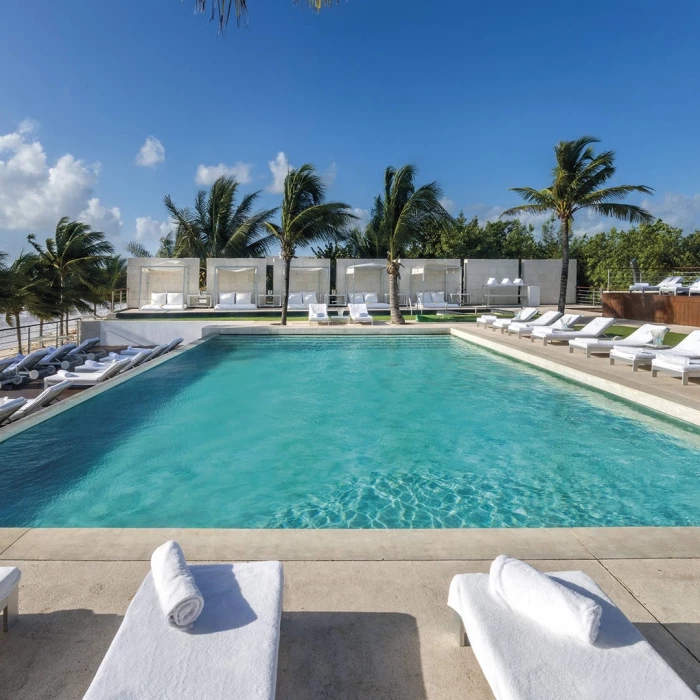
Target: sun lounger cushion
x=523, y=660
x=158, y=299
x=230, y=652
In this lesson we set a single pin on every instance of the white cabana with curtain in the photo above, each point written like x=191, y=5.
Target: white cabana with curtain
x=235, y=283
x=434, y=284
x=309, y=281
x=163, y=284
x=367, y=283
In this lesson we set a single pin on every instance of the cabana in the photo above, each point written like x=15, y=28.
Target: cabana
x=309, y=282
x=162, y=284
x=435, y=284
x=235, y=283
x=365, y=284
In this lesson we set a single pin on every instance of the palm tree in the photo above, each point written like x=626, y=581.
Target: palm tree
x=73, y=260
x=398, y=217
x=221, y=9
x=577, y=180
x=217, y=227
x=306, y=219
x=23, y=288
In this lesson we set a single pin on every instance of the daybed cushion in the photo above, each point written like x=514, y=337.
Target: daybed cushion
x=357, y=298
x=295, y=298
x=152, y=307
x=310, y=298
x=230, y=652
x=438, y=297
x=173, y=307
x=371, y=298
x=175, y=299
x=227, y=298
x=235, y=307
x=522, y=659
x=242, y=298
x=378, y=305
x=158, y=299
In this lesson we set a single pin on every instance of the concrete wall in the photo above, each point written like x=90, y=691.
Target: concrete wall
x=546, y=274
x=220, y=279
x=435, y=279
x=367, y=280
x=168, y=278
x=477, y=273
x=319, y=282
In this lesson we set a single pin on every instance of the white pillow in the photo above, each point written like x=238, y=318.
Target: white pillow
x=296, y=298
x=357, y=298
x=505, y=280
x=371, y=298
x=159, y=299
x=242, y=297
x=309, y=297
x=518, y=280
x=491, y=280
x=438, y=297
x=227, y=298
x=175, y=298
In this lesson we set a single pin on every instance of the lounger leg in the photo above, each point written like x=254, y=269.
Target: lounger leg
x=653, y=372
x=612, y=360
x=684, y=379
x=463, y=639
x=10, y=612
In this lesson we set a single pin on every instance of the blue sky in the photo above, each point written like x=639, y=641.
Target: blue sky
x=475, y=94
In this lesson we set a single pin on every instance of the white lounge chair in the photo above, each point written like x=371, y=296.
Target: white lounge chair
x=359, y=314
x=689, y=347
x=593, y=329
x=21, y=372
x=235, y=301
x=318, y=313
x=684, y=367
x=135, y=351
x=522, y=660
x=646, y=287
x=566, y=321
x=9, y=406
x=486, y=320
x=134, y=361
x=644, y=335
x=48, y=396
x=10, y=577
x=166, y=301
x=85, y=379
x=230, y=652
x=84, y=351
x=546, y=319
x=522, y=316
x=58, y=355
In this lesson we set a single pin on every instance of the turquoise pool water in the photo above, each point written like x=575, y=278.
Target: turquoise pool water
x=363, y=432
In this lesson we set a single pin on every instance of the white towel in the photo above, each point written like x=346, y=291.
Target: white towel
x=9, y=578
x=178, y=594
x=529, y=592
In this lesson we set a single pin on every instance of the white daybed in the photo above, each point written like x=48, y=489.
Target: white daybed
x=370, y=299
x=230, y=653
x=523, y=660
x=166, y=301
x=85, y=379
x=433, y=300
x=235, y=301
x=299, y=301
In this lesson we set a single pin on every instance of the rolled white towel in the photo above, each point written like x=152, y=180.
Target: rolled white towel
x=529, y=592
x=178, y=594
x=9, y=578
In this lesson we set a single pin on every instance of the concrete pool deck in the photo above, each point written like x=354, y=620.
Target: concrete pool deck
x=365, y=612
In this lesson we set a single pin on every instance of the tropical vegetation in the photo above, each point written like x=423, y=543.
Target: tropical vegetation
x=305, y=219
x=221, y=10
x=578, y=180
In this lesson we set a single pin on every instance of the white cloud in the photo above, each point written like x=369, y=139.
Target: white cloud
x=362, y=217
x=448, y=204
x=329, y=175
x=208, y=174
x=101, y=218
x=35, y=194
x=152, y=152
x=151, y=230
x=679, y=210
x=279, y=167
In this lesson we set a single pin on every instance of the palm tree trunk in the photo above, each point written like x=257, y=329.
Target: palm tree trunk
x=18, y=330
x=396, y=315
x=565, y=224
x=285, y=292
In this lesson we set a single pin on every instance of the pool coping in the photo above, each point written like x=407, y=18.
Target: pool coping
x=477, y=544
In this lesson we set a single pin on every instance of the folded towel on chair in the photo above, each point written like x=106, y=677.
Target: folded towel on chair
x=528, y=591
x=178, y=594
x=9, y=578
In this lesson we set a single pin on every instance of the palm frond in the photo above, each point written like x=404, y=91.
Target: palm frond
x=625, y=212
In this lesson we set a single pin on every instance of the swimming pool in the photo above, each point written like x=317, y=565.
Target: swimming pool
x=349, y=432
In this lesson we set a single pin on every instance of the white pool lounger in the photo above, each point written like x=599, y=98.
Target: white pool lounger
x=524, y=330
x=644, y=335
x=676, y=365
x=593, y=329
x=522, y=660
x=230, y=652
x=524, y=315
